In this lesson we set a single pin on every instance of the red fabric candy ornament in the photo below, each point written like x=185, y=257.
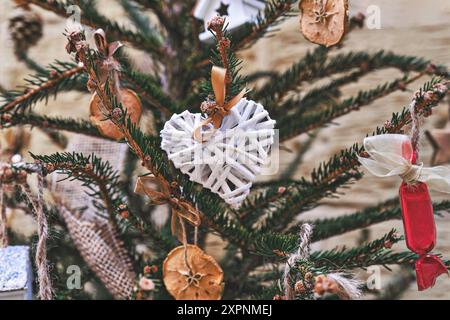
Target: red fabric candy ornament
x=419, y=226
x=393, y=154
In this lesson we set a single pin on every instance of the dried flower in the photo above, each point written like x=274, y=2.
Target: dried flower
x=281, y=190
x=146, y=284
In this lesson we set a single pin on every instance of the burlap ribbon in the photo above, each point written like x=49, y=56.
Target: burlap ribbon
x=387, y=158
x=220, y=108
x=181, y=210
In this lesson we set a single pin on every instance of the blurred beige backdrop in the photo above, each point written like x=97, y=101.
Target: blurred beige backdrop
x=412, y=27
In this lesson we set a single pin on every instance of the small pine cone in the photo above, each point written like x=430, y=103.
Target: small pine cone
x=26, y=30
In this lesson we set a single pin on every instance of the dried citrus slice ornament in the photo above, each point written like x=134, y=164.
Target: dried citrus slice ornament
x=324, y=21
x=191, y=274
x=130, y=102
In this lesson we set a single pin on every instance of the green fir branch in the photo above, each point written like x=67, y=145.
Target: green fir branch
x=388, y=210
x=59, y=76
x=318, y=65
x=53, y=123
x=277, y=210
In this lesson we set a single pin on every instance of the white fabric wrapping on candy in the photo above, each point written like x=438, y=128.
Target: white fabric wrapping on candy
x=386, y=160
x=228, y=162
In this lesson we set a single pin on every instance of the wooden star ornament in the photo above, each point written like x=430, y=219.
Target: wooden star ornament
x=440, y=141
x=324, y=21
x=223, y=9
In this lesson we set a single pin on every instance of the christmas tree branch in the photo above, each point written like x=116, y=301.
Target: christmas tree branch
x=277, y=210
x=317, y=65
x=389, y=210
x=296, y=124
x=316, y=97
x=99, y=177
x=59, y=76
x=93, y=19
x=152, y=158
x=106, y=190
x=71, y=125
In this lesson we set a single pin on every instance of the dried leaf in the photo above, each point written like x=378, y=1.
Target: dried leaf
x=131, y=103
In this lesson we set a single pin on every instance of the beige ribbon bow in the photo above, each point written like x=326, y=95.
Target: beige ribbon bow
x=221, y=109
x=181, y=210
x=390, y=154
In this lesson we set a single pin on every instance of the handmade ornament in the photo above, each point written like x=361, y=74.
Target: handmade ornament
x=191, y=274
x=109, y=71
x=181, y=210
x=238, y=12
x=395, y=154
x=104, y=252
x=440, y=141
x=239, y=136
x=324, y=21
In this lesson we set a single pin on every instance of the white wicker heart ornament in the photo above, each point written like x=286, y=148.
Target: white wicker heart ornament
x=230, y=160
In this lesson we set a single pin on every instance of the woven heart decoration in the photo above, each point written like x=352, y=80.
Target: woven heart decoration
x=232, y=157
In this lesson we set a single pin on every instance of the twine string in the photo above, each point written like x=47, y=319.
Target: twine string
x=3, y=227
x=45, y=285
x=415, y=128
x=302, y=253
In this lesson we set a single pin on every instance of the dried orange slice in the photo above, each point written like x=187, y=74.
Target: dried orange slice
x=192, y=275
x=107, y=128
x=324, y=21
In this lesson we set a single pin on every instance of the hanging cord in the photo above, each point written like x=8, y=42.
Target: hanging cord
x=45, y=285
x=415, y=129
x=302, y=253
x=3, y=227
